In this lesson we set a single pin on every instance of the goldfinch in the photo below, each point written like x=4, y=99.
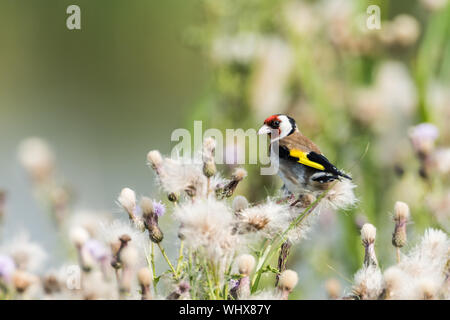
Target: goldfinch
x=302, y=166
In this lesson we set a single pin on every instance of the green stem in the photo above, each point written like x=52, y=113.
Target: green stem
x=180, y=256
x=259, y=268
x=175, y=275
x=210, y=285
x=152, y=262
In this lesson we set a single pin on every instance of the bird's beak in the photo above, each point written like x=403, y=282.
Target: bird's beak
x=265, y=129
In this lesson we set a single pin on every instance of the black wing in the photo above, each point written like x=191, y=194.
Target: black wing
x=329, y=167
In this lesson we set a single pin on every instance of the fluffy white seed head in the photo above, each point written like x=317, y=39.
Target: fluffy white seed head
x=78, y=236
x=96, y=288
x=368, y=283
x=155, y=159
x=288, y=280
x=183, y=175
x=239, y=174
x=368, y=233
x=422, y=269
x=406, y=29
x=341, y=196
x=127, y=199
x=146, y=206
x=268, y=218
x=239, y=203
x=27, y=255
x=246, y=263
x=401, y=211
x=397, y=283
x=207, y=225
x=36, y=156
x=209, y=145
x=129, y=256
x=111, y=232
x=434, y=246
x=89, y=220
x=428, y=288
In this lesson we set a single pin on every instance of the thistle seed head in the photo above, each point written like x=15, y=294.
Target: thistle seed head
x=246, y=263
x=145, y=277
x=288, y=280
x=155, y=159
x=239, y=203
x=127, y=200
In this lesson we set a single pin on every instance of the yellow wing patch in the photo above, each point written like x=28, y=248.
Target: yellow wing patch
x=303, y=159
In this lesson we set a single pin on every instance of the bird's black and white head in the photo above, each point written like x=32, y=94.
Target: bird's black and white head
x=278, y=126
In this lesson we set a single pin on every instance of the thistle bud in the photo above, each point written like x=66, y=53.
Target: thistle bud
x=287, y=282
x=181, y=292
x=22, y=280
x=151, y=220
x=209, y=169
x=209, y=166
x=51, y=284
x=79, y=236
x=147, y=207
x=238, y=175
x=116, y=248
x=368, y=234
x=129, y=258
x=333, y=287
x=124, y=239
x=145, y=279
x=401, y=216
x=422, y=138
x=173, y=197
x=306, y=200
x=155, y=233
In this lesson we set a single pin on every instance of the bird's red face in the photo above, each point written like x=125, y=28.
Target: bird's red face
x=280, y=124
x=271, y=123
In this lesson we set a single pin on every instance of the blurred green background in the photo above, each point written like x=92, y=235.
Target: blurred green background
x=105, y=95
x=101, y=96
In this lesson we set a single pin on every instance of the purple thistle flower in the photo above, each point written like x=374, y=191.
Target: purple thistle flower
x=423, y=133
x=96, y=249
x=234, y=283
x=7, y=267
x=159, y=208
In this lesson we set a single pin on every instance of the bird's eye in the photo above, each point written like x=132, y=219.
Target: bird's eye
x=276, y=123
